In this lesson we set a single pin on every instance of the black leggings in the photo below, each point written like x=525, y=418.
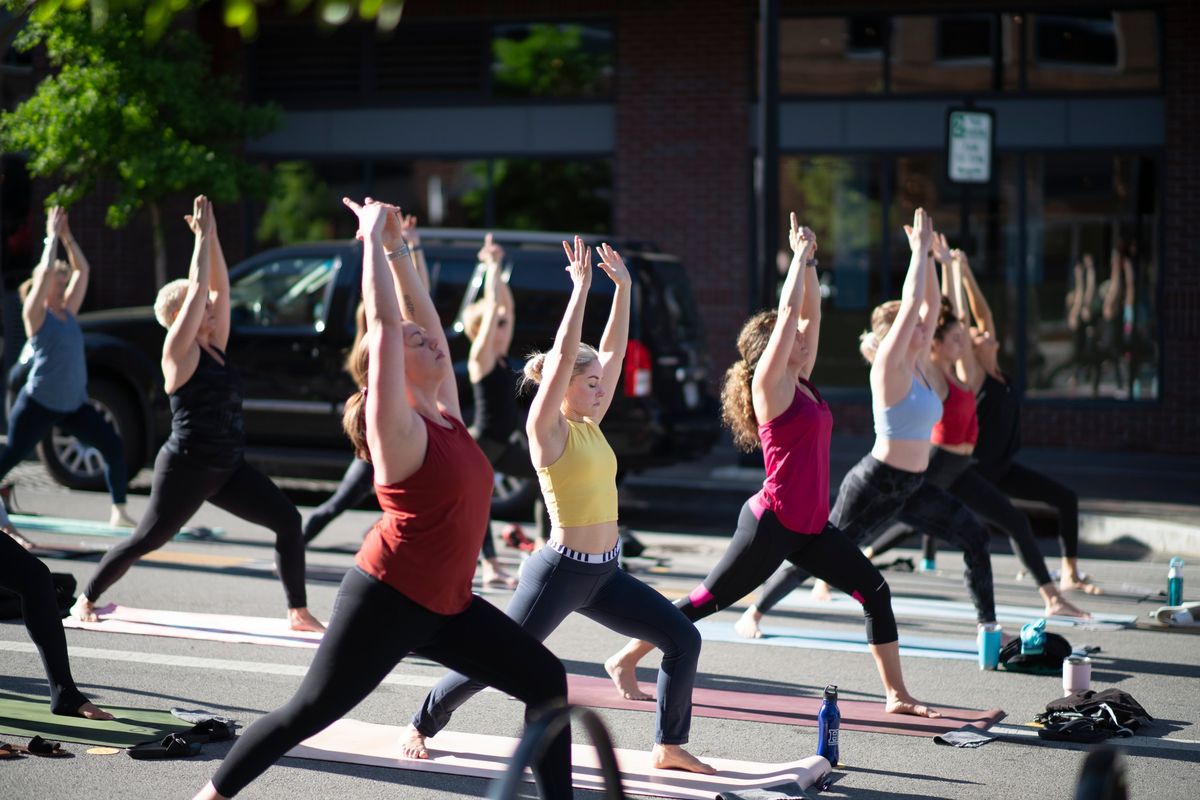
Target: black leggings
x=180, y=487
x=28, y=578
x=761, y=544
x=30, y=421
x=957, y=475
x=872, y=495
x=373, y=627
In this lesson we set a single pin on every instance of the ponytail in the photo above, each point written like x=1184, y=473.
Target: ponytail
x=737, y=406
x=354, y=417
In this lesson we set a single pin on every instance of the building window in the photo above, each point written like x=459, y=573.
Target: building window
x=572, y=195
x=839, y=197
x=1092, y=51
x=831, y=55
x=1092, y=273
x=546, y=60
x=951, y=53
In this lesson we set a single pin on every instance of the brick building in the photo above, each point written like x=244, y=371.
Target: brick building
x=640, y=118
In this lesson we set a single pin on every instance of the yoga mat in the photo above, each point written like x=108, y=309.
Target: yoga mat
x=29, y=716
x=784, y=709
x=854, y=641
x=85, y=527
x=953, y=609
x=479, y=756
x=189, y=625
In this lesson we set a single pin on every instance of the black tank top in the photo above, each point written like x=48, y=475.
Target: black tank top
x=999, y=412
x=206, y=413
x=496, y=403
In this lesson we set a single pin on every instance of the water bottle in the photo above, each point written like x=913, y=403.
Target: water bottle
x=1175, y=582
x=1033, y=638
x=829, y=721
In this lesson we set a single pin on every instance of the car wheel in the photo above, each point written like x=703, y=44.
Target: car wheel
x=79, y=466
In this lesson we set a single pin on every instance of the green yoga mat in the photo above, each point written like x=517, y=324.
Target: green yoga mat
x=28, y=716
x=84, y=527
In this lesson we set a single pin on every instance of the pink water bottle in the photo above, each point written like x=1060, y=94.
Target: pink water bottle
x=1077, y=674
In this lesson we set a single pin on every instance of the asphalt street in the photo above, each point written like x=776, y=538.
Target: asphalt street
x=245, y=681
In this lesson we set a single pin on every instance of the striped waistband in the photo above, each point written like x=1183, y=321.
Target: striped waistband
x=586, y=558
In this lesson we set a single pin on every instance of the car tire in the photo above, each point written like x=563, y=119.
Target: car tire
x=78, y=466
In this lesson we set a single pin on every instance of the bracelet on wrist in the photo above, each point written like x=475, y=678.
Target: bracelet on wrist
x=399, y=252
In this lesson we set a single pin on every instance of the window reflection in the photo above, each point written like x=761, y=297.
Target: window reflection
x=1093, y=275
x=947, y=53
x=544, y=60
x=831, y=55
x=1092, y=51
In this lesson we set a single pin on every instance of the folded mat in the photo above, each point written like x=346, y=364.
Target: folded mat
x=29, y=716
x=785, y=709
x=352, y=742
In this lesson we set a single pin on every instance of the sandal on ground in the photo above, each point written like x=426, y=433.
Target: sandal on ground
x=41, y=747
x=8, y=751
x=1186, y=615
x=210, y=730
x=170, y=746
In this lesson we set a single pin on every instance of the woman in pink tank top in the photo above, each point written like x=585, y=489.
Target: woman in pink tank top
x=769, y=402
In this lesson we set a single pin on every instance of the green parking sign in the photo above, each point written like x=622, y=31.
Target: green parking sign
x=970, y=135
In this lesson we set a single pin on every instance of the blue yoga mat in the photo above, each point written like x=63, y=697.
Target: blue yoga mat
x=841, y=641
x=87, y=527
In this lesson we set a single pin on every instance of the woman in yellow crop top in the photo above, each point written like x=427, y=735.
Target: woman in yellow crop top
x=578, y=569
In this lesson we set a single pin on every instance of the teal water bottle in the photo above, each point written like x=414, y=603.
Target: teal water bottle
x=829, y=722
x=1033, y=638
x=1175, y=582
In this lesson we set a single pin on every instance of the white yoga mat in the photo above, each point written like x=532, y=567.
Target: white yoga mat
x=190, y=625
x=352, y=742
x=953, y=609
x=841, y=641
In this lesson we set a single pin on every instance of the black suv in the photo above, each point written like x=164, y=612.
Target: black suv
x=293, y=322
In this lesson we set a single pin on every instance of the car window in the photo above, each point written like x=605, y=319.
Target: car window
x=676, y=316
x=290, y=292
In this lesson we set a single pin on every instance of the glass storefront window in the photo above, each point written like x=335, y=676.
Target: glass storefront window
x=573, y=195
x=547, y=60
x=831, y=55
x=839, y=197
x=945, y=53
x=1092, y=271
x=1092, y=51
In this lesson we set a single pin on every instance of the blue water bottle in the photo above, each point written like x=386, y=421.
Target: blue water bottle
x=829, y=722
x=1175, y=582
x=1033, y=638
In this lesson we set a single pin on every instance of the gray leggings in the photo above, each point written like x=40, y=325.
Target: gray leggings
x=871, y=496
x=552, y=586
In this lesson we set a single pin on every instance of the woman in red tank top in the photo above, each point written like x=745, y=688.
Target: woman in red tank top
x=410, y=591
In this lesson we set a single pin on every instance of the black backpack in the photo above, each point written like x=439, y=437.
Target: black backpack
x=1092, y=716
x=1048, y=662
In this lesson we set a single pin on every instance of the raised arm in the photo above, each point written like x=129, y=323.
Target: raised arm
x=182, y=333
x=408, y=229
x=773, y=385
x=615, y=340
x=482, y=358
x=396, y=437
x=33, y=313
x=545, y=426
x=218, y=286
x=416, y=305
x=985, y=322
x=952, y=280
x=1112, y=296
x=917, y=302
x=80, y=269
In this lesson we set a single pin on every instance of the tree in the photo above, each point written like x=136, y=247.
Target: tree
x=148, y=118
x=301, y=208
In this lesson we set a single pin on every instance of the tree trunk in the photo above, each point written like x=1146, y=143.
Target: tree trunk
x=160, y=246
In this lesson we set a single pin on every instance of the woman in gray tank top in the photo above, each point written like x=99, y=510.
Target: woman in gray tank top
x=55, y=394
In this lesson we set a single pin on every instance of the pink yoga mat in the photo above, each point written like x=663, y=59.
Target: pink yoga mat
x=351, y=742
x=784, y=709
x=190, y=625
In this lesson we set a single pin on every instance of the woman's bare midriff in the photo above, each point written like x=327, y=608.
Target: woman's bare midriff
x=598, y=538
x=910, y=455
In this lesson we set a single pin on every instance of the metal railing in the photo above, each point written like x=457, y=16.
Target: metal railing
x=537, y=738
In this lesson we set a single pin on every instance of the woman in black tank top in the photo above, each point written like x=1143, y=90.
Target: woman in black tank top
x=488, y=323
x=203, y=458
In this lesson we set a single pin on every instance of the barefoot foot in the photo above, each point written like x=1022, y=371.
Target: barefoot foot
x=119, y=519
x=625, y=677
x=672, y=756
x=84, y=610
x=91, y=711
x=1057, y=606
x=907, y=704
x=747, y=625
x=1078, y=582
x=492, y=575
x=15, y=535
x=412, y=744
x=301, y=620
x=820, y=592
